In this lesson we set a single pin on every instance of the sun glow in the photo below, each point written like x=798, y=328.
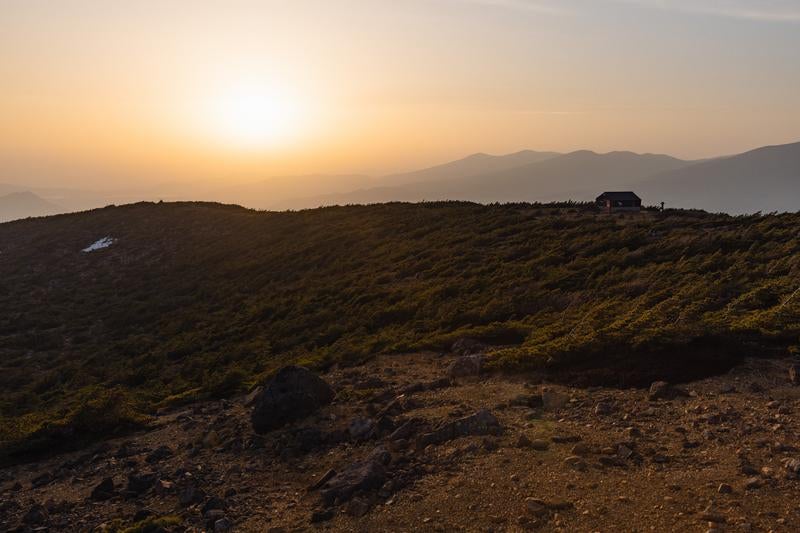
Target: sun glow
x=253, y=116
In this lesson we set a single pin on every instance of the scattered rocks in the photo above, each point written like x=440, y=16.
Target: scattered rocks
x=292, y=394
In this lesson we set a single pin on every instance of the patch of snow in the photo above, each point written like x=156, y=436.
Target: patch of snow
x=105, y=242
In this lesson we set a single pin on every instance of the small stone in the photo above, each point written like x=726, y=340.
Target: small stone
x=752, y=483
x=535, y=506
x=214, y=514
x=603, y=409
x=540, y=445
x=624, y=452
x=724, y=488
x=581, y=449
x=794, y=374
x=223, y=525
x=633, y=432
x=575, y=462
x=322, y=515
x=523, y=441
x=103, y=490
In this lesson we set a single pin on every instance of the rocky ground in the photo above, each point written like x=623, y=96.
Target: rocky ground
x=427, y=442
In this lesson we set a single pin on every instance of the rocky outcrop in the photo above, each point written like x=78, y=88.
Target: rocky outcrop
x=481, y=423
x=361, y=476
x=292, y=394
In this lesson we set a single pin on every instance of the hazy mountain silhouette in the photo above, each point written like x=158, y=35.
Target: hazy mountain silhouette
x=276, y=191
x=577, y=175
x=25, y=204
x=470, y=166
x=766, y=179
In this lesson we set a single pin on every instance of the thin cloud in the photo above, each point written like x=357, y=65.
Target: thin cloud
x=758, y=10
x=763, y=10
x=534, y=6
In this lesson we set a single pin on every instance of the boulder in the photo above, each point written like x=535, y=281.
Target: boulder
x=103, y=490
x=361, y=428
x=141, y=483
x=292, y=394
x=661, y=390
x=466, y=366
x=553, y=399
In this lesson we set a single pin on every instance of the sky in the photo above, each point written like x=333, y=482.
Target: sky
x=126, y=94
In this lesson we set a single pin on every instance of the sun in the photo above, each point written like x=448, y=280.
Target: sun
x=252, y=116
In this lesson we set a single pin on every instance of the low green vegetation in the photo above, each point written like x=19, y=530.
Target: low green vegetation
x=196, y=301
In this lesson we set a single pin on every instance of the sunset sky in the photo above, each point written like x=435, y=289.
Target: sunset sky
x=112, y=93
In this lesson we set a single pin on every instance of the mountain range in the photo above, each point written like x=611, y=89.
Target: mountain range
x=25, y=204
x=766, y=179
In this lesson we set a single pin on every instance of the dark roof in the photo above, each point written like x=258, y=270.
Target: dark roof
x=619, y=195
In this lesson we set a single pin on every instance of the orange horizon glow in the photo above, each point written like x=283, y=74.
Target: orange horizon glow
x=195, y=92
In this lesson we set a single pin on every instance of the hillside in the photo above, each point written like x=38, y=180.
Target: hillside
x=24, y=204
x=766, y=179
x=181, y=302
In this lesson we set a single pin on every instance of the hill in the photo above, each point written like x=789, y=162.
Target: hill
x=766, y=179
x=24, y=204
x=179, y=302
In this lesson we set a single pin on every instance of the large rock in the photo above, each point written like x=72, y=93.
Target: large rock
x=362, y=476
x=103, y=490
x=465, y=366
x=661, y=390
x=292, y=394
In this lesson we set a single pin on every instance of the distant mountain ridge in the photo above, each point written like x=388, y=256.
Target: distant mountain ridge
x=577, y=175
x=765, y=179
x=25, y=204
